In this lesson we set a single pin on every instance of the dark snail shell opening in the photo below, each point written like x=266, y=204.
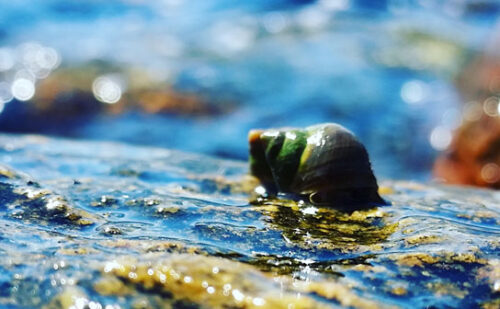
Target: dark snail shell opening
x=359, y=198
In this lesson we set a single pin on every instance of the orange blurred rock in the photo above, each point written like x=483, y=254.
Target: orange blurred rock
x=473, y=157
x=69, y=91
x=164, y=101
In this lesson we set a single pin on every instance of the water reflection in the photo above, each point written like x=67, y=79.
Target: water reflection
x=326, y=228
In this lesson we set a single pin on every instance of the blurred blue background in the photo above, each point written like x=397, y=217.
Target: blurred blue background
x=197, y=75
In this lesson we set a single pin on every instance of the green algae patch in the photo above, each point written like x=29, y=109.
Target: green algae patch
x=207, y=282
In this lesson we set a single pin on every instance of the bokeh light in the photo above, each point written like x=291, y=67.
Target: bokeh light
x=472, y=111
x=5, y=93
x=107, y=89
x=490, y=172
x=275, y=22
x=7, y=59
x=490, y=106
x=23, y=89
x=440, y=137
x=230, y=38
x=335, y=5
x=313, y=18
x=414, y=92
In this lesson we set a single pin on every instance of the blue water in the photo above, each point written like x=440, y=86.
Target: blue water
x=270, y=63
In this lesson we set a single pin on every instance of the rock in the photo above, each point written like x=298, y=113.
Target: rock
x=73, y=230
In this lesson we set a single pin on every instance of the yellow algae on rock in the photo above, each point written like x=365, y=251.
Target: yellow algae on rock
x=466, y=257
x=326, y=228
x=7, y=172
x=77, y=251
x=399, y=291
x=343, y=294
x=244, y=184
x=446, y=288
x=383, y=190
x=206, y=281
x=420, y=259
x=369, y=268
x=422, y=239
x=71, y=297
x=493, y=304
x=145, y=303
x=54, y=207
x=112, y=286
x=415, y=259
x=491, y=272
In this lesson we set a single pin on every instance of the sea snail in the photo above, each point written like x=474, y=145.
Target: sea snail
x=324, y=163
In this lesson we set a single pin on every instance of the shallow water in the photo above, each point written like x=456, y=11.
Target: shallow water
x=107, y=224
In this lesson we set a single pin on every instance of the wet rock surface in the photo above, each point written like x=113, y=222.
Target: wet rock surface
x=107, y=225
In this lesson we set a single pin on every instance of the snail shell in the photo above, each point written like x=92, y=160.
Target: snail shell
x=324, y=163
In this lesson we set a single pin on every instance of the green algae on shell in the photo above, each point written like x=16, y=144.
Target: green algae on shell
x=324, y=163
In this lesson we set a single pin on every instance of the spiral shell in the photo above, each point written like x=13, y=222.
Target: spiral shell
x=324, y=163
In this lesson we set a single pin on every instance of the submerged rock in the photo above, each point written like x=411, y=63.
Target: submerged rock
x=178, y=230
